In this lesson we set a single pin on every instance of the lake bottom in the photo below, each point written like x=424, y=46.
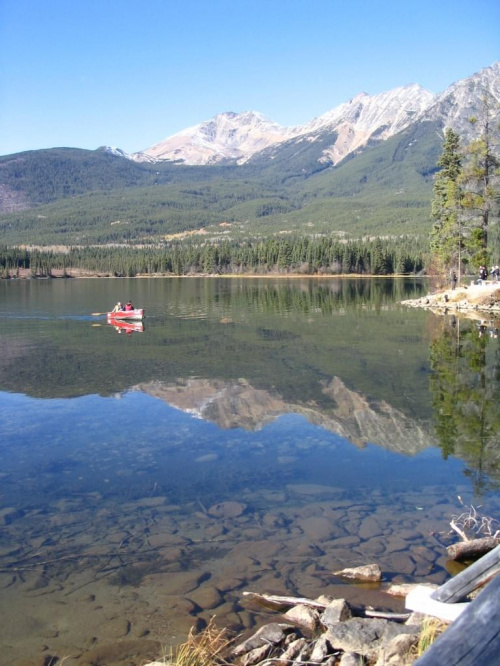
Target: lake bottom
x=112, y=548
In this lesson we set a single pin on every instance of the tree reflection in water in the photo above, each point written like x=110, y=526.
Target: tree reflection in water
x=465, y=390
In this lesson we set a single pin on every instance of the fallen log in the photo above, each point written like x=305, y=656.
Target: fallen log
x=466, y=581
x=277, y=600
x=471, y=550
x=383, y=615
x=280, y=601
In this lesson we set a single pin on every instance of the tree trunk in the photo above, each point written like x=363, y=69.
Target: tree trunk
x=471, y=550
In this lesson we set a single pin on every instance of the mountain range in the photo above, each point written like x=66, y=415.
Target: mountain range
x=237, y=137
x=363, y=168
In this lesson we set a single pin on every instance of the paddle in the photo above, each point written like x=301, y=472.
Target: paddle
x=97, y=314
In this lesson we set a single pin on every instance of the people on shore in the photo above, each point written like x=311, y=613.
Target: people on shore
x=453, y=279
x=483, y=274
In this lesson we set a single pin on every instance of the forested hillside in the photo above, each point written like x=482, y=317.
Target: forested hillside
x=44, y=176
x=93, y=197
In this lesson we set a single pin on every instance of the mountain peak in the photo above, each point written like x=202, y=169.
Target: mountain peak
x=227, y=136
x=237, y=137
x=463, y=99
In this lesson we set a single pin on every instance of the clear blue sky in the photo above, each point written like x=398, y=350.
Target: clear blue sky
x=129, y=73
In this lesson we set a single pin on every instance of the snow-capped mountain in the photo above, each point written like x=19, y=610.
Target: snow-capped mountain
x=366, y=117
x=464, y=99
x=240, y=137
x=227, y=136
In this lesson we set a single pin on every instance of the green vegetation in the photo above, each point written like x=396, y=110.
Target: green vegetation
x=466, y=198
x=43, y=176
x=68, y=197
x=284, y=255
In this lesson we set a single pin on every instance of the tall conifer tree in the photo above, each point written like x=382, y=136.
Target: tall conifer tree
x=445, y=236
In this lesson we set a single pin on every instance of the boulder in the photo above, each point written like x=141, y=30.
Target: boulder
x=368, y=572
x=352, y=659
x=227, y=510
x=337, y=611
x=206, y=597
x=272, y=633
x=255, y=656
x=397, y=651
x=292, y=651
x=400, y=589
x=304, y=616
x=320, y=650
x=365, y=636
x=318, y=528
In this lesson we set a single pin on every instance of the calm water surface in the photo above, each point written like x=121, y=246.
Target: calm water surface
x=254, y=435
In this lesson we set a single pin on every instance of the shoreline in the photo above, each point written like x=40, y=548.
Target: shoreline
x=82, y=274
x=467, y=299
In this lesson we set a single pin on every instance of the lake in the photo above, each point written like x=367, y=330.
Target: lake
x=253, y=434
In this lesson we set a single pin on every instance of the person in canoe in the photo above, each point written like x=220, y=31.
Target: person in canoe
x=118, y=307
x=129, y=306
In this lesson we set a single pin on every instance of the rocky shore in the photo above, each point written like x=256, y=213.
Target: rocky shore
x=470, y=299
x=331, y=631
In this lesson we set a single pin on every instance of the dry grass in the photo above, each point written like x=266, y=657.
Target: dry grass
x=208, y=648
x=431, y=629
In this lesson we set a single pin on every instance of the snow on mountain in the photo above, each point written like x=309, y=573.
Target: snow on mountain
x=364, y=117
x=227, y=136
x=463, y=99
x=237, y=137
x=118, y=152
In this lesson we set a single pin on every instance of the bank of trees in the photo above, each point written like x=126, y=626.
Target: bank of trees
x=466, y=199
x=284, y=255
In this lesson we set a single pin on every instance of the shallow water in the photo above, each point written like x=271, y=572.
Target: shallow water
x=256, y=435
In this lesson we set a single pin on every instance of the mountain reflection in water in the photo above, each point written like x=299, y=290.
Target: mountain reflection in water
x=258, y=434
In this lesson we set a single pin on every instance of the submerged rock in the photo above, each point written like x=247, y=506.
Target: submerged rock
x=227, y=510
x=368, y=572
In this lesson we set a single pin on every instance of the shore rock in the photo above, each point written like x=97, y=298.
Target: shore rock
x=482, y=298
x=365, y=636
x=269, y=634
x=304, y=616
x=337, y=611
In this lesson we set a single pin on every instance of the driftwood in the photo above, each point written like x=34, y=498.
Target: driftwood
x=276, y=600
x=394, y=617
x=471, y=550
x=280, y=601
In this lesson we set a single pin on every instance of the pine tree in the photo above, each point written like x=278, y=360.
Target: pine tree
x=446, y=237
x=479, y=180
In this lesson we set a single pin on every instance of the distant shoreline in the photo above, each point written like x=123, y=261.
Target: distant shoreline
x=80, y=274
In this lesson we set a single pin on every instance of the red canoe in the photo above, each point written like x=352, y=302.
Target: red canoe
x=122, y=326
x=126, y=314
